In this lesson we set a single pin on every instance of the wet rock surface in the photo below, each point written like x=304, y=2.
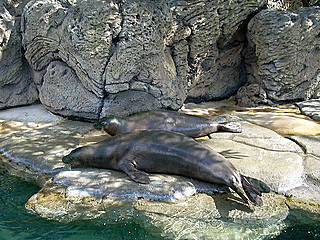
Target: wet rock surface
x=173, y=206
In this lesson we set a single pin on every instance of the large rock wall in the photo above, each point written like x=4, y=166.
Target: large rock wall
x=282, y=57
x=16, y=85
x=130, y=56
x=92, y=58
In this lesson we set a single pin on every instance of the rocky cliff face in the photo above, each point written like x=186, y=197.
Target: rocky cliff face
x=16, y=85
x=283, y=55
x=153, y=55
x=93, y=58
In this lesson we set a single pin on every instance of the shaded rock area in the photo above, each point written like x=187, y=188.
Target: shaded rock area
x=88, y=59
x=170, y=206
x=282, y=58
x=16, y=84
x=156, y=54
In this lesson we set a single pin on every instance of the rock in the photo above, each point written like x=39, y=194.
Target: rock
x=79, y=35
x=283, y=123
x=215, y=217
x=34, y=113
x=310, y=108
x=168, y=51
x=282, y=56
x=34, y=150
x=173, y=206
x=311, y=146
x=198, y=216
x=257, y=150
x=286, y=4
x=129, y=102
x=214, y=68
x=62, y=92
x=252, y=95
x=113, y=184
x=312, y=173
x=16, y=85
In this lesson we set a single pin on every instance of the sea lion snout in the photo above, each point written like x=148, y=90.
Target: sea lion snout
x=67, y=159
x=109, y=124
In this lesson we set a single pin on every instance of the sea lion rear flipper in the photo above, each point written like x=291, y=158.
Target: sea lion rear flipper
x=258, y=184
x=254, y=189
x=127, y=165
x=234, y=127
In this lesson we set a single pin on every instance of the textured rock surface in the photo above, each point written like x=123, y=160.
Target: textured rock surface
x=16, y=85
x=310, y=108
x=199, y=216
x=311, y=146
x=155, y=54
x=283, y=53
x=67, y=96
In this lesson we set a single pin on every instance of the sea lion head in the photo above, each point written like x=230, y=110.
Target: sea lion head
x=110, y=124
x=72, y=159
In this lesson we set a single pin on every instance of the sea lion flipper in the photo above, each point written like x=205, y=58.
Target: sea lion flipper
x=254, y=189
x=127, y=165
x=234, y=127
x=258, y=184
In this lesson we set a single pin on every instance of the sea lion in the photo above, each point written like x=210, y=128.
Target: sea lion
x=160, y=151
x=192, y=126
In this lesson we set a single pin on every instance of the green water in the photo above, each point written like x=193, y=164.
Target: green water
x=17, y=223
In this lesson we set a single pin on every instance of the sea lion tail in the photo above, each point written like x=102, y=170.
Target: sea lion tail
x=254, y=189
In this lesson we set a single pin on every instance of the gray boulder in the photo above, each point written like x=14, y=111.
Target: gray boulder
x=155, y=54
x=282, y=55
x=16, y=85
x=67, y=96
x=310, y=108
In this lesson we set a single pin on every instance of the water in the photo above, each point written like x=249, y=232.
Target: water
x=17, y=224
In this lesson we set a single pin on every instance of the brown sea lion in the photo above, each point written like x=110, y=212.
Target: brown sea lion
x=192, y=126
x=160, y=151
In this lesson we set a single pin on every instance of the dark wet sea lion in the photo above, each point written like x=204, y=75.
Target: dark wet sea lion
x=192, y=126
x=167, y=152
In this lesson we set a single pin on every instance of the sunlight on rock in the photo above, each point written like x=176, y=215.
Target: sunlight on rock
x=33, y=113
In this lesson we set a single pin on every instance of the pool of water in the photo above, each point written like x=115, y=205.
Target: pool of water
x=17, y=223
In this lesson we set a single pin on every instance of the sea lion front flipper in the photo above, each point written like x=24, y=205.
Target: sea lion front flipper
x=127, y=165
x=234, y=127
